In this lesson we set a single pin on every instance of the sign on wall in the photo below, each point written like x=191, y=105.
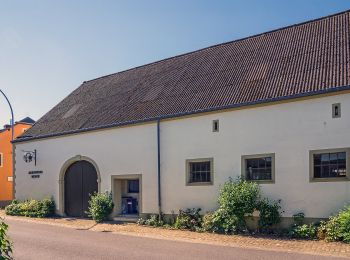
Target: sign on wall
x=35, y=174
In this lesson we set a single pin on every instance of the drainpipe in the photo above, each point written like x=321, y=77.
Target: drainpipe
x=13, y=171
x=158, y=168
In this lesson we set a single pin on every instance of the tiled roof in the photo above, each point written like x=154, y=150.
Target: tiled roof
x=307, y=58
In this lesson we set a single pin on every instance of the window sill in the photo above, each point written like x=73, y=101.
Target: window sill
x=199, y=183
x=335, y=179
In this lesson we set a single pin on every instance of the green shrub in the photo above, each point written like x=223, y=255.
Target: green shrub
x=208, y=222
x=13, y=209
x=343, y=218
x=31, y=208
x=236, y=200
x=47, y=207
x=301, y=230
x=330, y=229
x=337, y=228
x=5, y=244
x=189, y=219
x=100, y=206
x=226, y=223
x=154, y=221
x=305, y=231
x=321, y=230
x=269, y=214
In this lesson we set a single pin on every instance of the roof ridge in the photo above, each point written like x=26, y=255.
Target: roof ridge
x=224, y=43
x=272, y=67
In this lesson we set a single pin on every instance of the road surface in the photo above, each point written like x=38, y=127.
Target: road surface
x=42, y=241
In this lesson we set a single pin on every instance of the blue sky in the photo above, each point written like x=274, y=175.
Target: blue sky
x=48, y=48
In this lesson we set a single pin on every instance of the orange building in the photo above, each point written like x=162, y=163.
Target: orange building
x=6, y=181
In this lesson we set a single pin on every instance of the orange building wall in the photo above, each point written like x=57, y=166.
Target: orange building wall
x=6, y=185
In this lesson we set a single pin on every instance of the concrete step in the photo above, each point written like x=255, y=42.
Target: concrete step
x=126, y=218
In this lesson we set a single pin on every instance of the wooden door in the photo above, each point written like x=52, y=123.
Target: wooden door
x=80, y=181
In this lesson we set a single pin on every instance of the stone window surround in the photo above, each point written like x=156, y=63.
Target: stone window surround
x=188, y=161
x=257, y=156
x=331, y=179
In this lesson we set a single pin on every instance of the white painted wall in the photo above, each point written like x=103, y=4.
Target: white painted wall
x=127, y=150
x=289, y=130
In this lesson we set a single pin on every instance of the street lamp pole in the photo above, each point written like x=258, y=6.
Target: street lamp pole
x=13, y=119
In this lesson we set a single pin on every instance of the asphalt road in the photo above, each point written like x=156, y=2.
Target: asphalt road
x=42, y=241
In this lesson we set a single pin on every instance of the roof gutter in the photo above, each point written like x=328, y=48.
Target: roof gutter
x=212, y=109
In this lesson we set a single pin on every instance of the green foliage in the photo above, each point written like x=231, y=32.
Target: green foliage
x=321, y=230
x=305, y=231
x=100, y=206
x=269, y=214
x=208, y=222
x=239, y=198
x=31, y=208
x=223, y=222
x=331, y=229
x=300, y=230
x=337, y=228
x=153, y=221
x=189, y=219
x=236, y=200
x=5, y=243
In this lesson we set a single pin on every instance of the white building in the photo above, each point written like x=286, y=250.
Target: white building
x=273, y=108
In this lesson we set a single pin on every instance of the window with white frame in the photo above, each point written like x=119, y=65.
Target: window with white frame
x=328, y=165
x=1, y=160
x=260, y=167
x=199, y=171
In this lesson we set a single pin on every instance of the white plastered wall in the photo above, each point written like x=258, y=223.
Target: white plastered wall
x=119, y=151
x=289, y=130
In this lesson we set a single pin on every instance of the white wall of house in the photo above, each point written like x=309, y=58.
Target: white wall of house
x=290, y=130
x=122, y=151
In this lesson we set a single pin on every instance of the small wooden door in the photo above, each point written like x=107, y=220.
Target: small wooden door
x=79, y=182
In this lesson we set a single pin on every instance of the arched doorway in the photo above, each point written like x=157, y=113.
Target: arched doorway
x=80, y=180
